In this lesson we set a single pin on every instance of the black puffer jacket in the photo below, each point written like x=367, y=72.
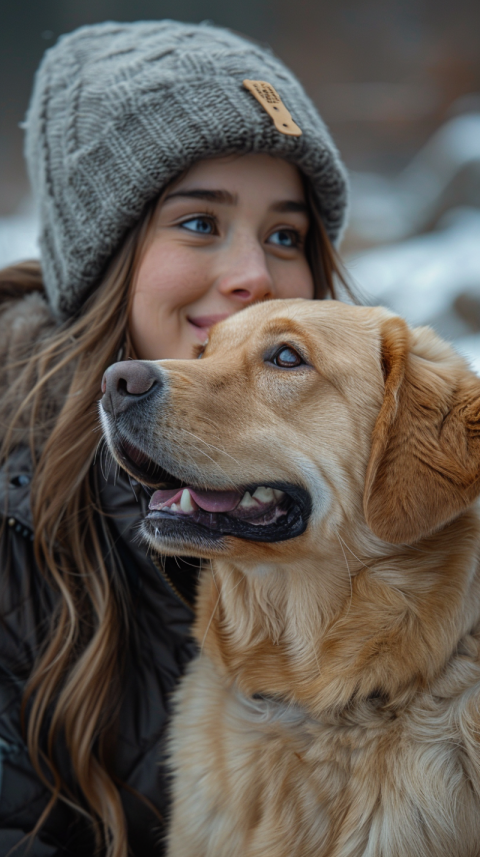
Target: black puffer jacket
x=159, y=647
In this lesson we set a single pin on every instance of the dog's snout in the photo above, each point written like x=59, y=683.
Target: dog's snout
x=123, y=384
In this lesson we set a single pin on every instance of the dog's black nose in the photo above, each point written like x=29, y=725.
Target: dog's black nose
x=123, y=384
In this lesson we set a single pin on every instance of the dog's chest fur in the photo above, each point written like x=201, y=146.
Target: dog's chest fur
x=258, y=777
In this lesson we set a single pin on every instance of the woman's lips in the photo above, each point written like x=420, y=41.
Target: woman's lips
x=202, y=323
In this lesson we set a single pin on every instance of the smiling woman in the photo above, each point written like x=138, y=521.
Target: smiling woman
x=169, y=200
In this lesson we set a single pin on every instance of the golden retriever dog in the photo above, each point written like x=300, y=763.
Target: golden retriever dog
x=326, y=460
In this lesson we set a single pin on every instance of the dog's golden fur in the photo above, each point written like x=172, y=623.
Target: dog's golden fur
x=334, y=709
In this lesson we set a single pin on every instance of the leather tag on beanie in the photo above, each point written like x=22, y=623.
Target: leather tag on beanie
x=271, y=102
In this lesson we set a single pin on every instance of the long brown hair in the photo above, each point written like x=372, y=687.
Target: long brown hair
x=77, y=675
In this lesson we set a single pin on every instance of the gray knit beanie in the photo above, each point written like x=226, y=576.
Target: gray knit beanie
x=119, y=110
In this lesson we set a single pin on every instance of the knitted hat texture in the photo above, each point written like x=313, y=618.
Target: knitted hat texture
x=119, y=110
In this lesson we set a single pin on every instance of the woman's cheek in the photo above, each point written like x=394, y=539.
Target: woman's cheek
x=295, y=281
x=174, y=276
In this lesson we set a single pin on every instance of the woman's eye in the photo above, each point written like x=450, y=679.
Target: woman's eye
x=201, y=225
x=287, y=358
x=285, y=238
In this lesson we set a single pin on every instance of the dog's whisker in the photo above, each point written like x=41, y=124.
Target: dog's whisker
x=215, y=581
x=216, y=605
x=212, y=446
x=210, y=622
x=132, y=485
x=98, y=449
x=105, y=461
x=233, y=587
x=353, y=554
x=340, y=541
x=229, y=480
x=314, y=650
x=109, y=462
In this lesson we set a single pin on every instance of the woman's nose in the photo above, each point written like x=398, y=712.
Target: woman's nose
x=245, y=276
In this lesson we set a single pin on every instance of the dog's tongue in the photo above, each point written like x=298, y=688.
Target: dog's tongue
x=216, y=501
x=209, y=501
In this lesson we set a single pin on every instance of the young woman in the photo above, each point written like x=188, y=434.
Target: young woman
x=171, y=194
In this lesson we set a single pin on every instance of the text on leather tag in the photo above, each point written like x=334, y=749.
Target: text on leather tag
x=271, y=102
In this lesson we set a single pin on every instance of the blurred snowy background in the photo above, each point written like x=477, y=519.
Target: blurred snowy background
x=397, y=82
x=421, y=229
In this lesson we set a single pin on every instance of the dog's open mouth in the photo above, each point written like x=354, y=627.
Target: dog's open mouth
x=258, y=512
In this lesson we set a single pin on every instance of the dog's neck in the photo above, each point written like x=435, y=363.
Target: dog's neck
x=316, y=636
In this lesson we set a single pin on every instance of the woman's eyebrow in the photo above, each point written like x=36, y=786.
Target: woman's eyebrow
x=290, y=205
x=222, y=196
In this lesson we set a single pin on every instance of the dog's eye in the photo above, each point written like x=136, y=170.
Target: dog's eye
x=287, y=358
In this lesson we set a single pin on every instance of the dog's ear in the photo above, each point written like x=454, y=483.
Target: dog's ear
x=424, y=466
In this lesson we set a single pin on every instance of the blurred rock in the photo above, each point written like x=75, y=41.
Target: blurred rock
x=467, y=306
x=431, y=279
x=469, y=347
x=444, y=174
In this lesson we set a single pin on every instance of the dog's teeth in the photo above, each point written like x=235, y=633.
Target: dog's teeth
x=186, y=504
x=263, y=495
x=279, y=495
x=174, y=507
x=247, y=501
